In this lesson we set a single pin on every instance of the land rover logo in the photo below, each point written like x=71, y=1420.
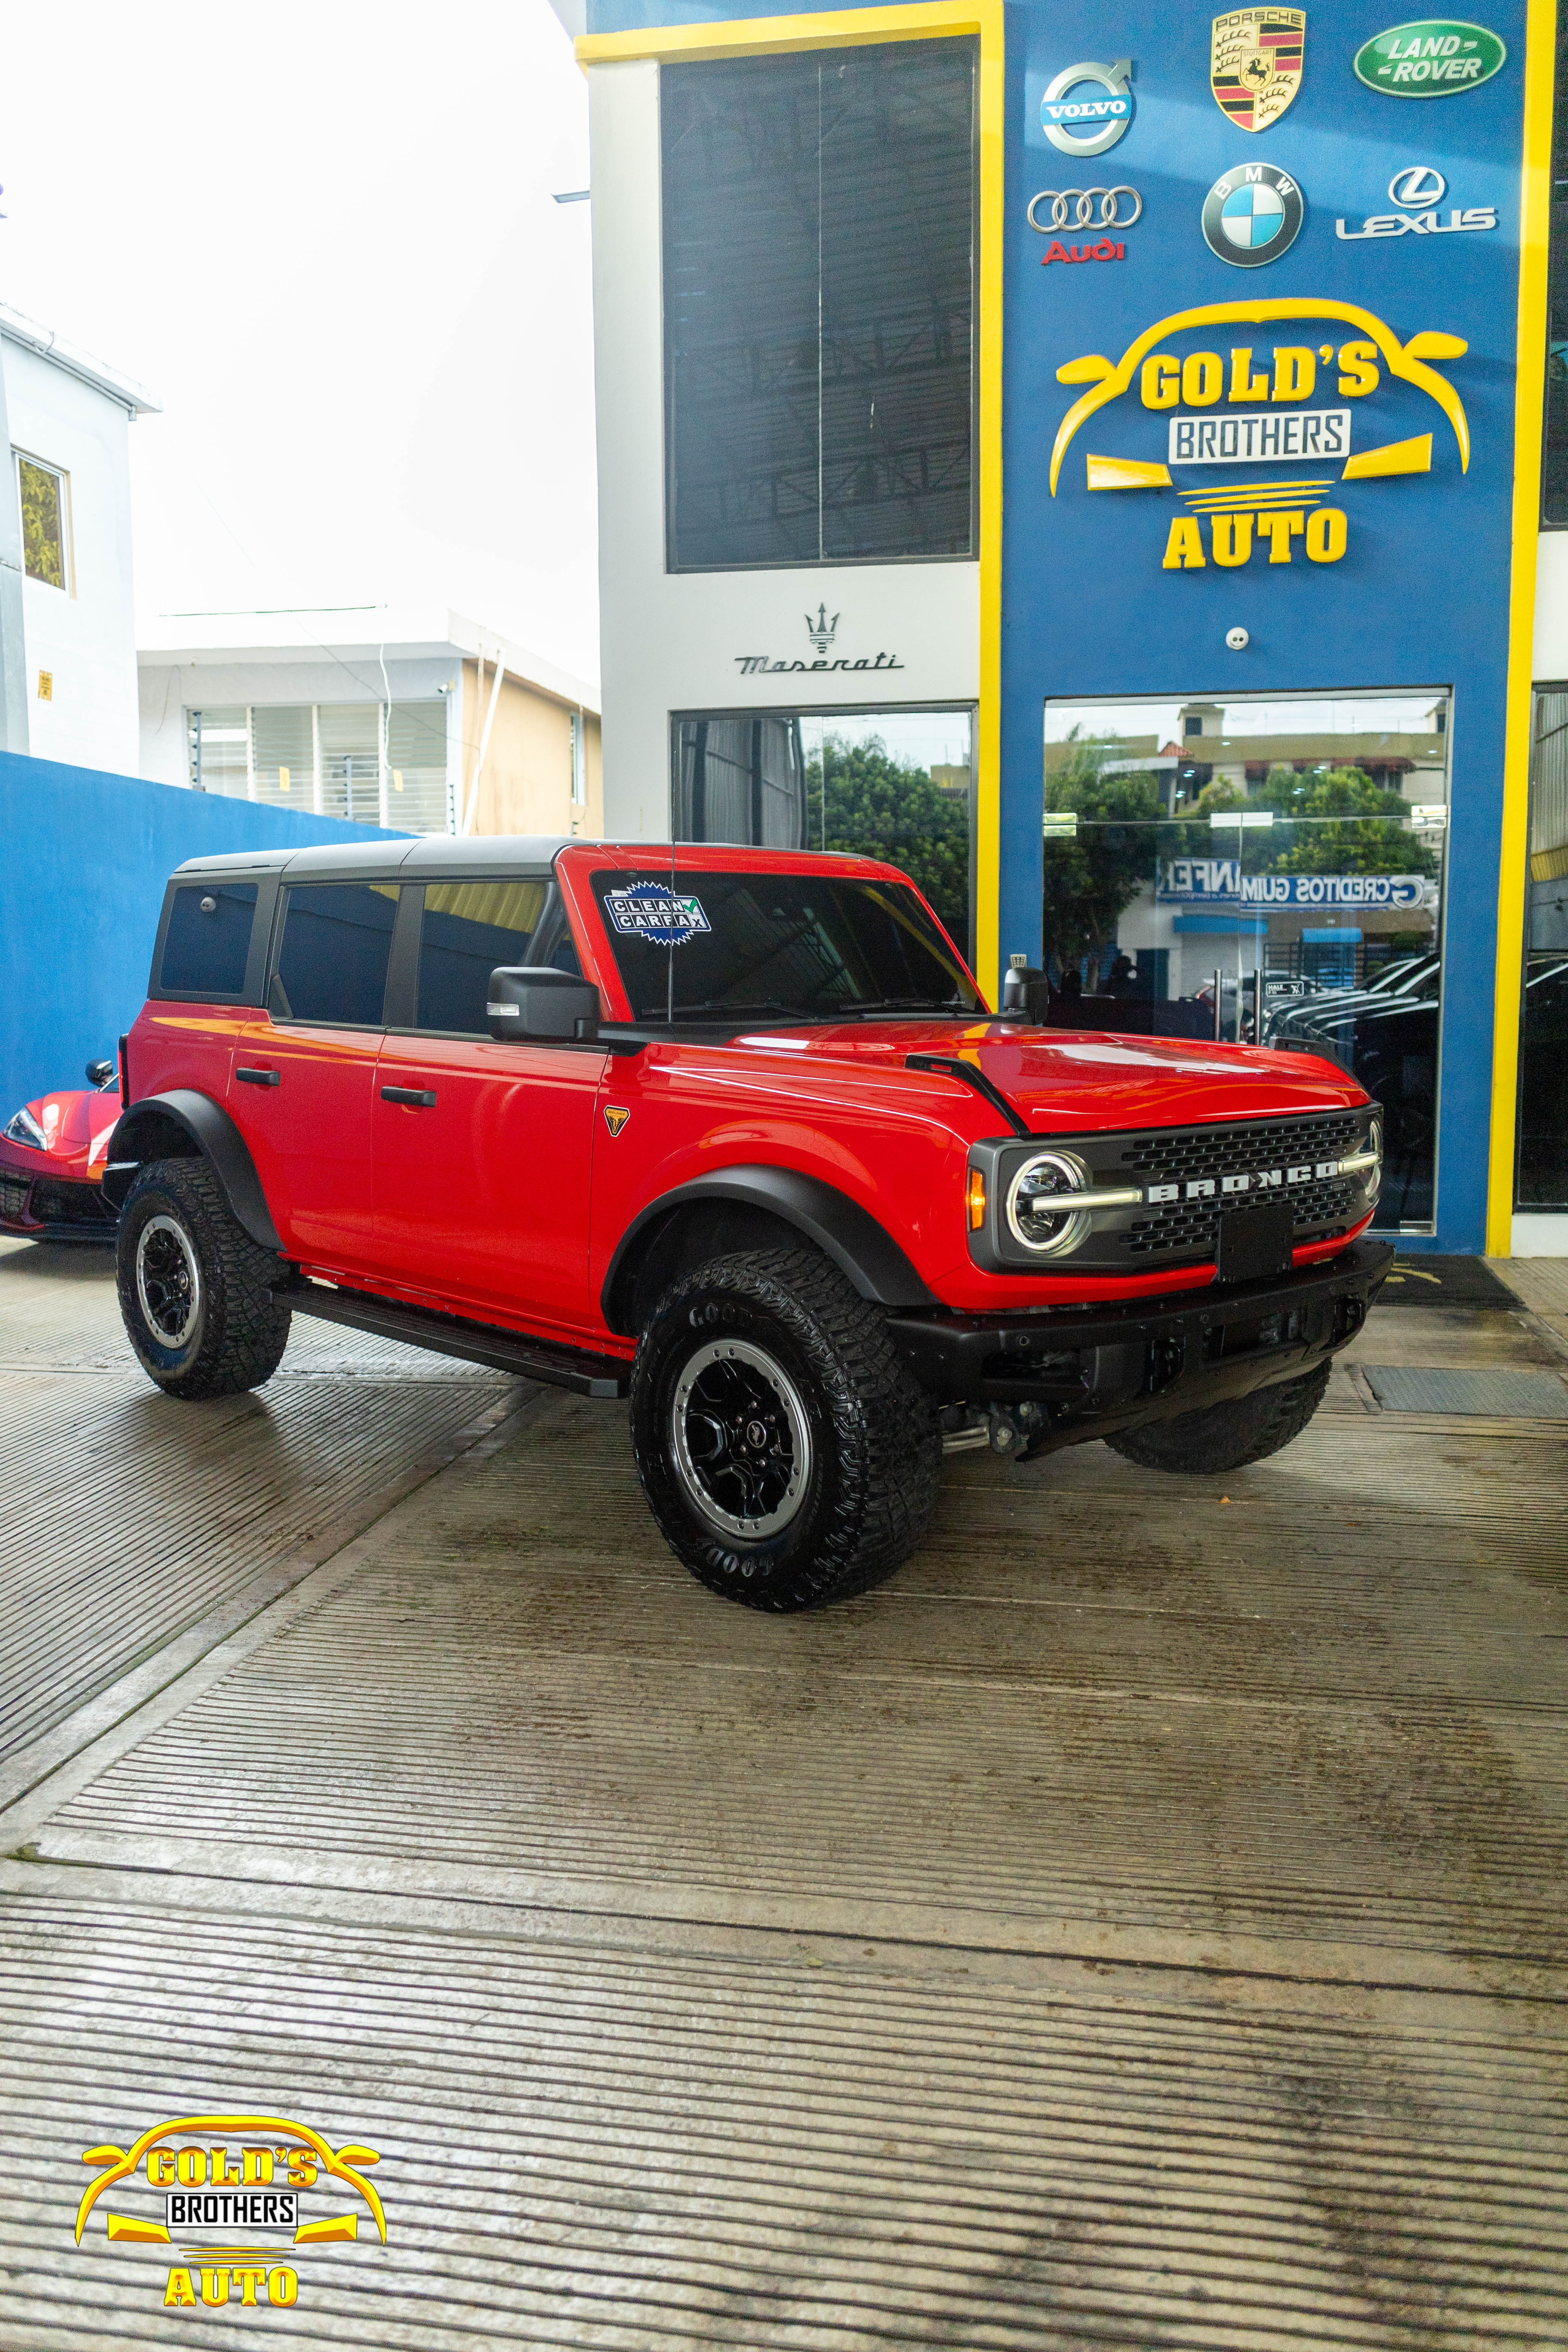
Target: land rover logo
x=1436, y=57
x=1253, y=215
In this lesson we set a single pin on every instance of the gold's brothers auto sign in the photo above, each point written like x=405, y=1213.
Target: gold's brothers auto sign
x=1261, y=405
x=230, y=2195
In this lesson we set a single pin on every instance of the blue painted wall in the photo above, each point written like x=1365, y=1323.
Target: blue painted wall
x=84, y=857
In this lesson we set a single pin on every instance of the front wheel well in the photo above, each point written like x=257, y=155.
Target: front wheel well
x=682, y=1239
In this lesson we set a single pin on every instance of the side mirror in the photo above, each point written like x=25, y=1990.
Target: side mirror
x=531, y=1001
x=99, y=1073
x=1025, y=995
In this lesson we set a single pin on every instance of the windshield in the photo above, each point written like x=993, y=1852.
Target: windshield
x=770, y=945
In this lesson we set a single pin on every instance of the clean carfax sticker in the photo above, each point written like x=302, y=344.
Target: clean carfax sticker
x=653, y=911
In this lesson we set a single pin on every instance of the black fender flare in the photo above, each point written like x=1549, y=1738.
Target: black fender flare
x=845, y=1232
x=141, y=1133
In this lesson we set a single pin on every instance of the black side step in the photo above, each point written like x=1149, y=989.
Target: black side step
x=579, y=1369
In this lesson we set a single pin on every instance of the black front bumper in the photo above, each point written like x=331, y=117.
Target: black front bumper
x=1093, y=1370
x=53, y=1208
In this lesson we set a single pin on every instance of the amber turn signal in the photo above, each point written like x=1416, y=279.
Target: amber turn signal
x=976, y=1197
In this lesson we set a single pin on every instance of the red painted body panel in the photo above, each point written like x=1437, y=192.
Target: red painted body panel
x=310, y=1135
x=485, y=1193
x=507, y=1198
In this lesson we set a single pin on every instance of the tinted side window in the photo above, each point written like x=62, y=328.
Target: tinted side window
x=337, y=940
x=466, y=928
x=208, y=942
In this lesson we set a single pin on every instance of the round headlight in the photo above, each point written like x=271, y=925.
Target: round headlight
x=1375, y=1145
x=1038, y=1217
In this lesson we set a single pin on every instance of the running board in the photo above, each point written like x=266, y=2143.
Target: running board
x=578, y=1369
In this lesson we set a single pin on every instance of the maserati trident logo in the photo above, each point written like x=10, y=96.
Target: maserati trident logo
x=822, y=631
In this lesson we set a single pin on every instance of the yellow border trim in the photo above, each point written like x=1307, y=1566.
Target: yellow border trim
x=1530, y=392
x=842, y=28
x=856, y=28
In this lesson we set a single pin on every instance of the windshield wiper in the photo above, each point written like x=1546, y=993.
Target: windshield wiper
x=951, y=1006
x=718, y=1004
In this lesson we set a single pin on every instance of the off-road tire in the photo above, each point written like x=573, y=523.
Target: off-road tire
x=236, y=1333
x=1225, y=1436
x=875, y=1466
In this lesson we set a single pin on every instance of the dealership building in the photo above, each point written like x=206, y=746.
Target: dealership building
x=1097, y=460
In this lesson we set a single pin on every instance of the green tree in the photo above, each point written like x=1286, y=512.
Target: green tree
x=1093, y=879
x=1350, y=844
x=1366, y=834
x=877, y=807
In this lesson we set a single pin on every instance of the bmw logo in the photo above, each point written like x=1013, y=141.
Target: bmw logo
x=1253, y=215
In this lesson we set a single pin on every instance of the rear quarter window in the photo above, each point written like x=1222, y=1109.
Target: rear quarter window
x=206, y=943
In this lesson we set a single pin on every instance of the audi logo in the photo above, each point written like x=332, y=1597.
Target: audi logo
x=1082, y=201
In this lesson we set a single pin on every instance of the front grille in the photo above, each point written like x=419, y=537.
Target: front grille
x=70, y=1204
x=13, y=1191
x=1192, y=1227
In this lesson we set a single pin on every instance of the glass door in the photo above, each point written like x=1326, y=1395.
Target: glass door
x=1542, y=1182
x=1260, y=869
x=895, y=784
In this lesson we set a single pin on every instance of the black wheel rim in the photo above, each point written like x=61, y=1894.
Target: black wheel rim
x=168, y=1281
x=740, y=1442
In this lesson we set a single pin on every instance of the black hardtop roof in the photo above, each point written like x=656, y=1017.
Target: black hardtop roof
x=428, y=856
x=370, y=861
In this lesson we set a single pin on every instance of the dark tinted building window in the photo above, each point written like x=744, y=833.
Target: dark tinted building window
x=1554, y=456
x=466, y=928
x=207, y=943
x=818, y=303
x=337, y=940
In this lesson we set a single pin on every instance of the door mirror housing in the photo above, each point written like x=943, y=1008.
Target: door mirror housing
x=533, y=1001
x=1025, y=995
x=99, y=1073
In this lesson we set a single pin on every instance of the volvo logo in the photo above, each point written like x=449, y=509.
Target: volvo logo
x=1417, y=186
x=1080, y=124
x=1074, y=208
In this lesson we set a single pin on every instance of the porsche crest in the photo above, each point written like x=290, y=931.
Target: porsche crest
x=1255, y=64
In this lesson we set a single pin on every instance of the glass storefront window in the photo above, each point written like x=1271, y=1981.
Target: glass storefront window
x=1542, y=1174
x=894, y=784
x=1259, y=868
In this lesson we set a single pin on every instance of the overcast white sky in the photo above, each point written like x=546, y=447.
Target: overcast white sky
x=322, y=236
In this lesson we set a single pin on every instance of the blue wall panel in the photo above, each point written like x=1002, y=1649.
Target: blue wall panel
x=1421, y=595
x=84, y=861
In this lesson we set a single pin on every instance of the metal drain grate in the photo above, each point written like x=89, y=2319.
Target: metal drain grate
x=1505, y=1393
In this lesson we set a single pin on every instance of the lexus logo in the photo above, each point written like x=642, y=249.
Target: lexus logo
x=1074, y=208
x=1418, y=185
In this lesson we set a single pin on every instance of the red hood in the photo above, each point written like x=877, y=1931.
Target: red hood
x=1061, y=1078
x=77, y=1120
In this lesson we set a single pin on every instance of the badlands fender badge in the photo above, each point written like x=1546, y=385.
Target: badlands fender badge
x=615, y=1117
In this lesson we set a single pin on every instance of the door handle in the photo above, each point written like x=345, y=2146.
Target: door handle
x=259, y=1077
x=417, y=1097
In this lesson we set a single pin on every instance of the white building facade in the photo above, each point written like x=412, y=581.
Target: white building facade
x=424, y=722
x=67, y=611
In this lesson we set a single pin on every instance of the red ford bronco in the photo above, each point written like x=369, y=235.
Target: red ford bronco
x=733, y=1131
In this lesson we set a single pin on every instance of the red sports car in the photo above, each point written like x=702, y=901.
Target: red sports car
x=51, y=1162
